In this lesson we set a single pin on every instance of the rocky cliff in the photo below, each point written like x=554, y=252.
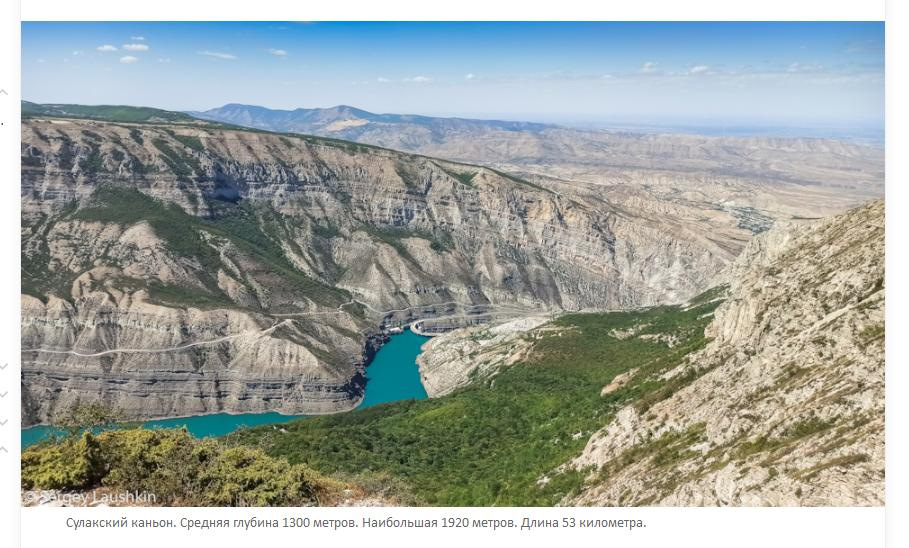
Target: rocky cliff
x=186, y=267
x=452, y=360
x=741, y=182
x=785, y=406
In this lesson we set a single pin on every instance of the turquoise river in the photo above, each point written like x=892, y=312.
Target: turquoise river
x=391, y=376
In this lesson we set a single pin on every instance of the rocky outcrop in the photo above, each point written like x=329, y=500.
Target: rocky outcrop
x=180, y=268
x=786, y=406
x=534, y=145
x=736, y=185
x=393, y=229
x=147, y=360
x=460, y=356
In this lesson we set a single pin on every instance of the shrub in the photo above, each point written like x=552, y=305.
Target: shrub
x=243, y=476
x=158, y=461
x=73, y=463
x=176, y=467
x=87, y=416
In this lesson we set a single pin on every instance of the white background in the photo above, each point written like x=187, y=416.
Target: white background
x=745, y=527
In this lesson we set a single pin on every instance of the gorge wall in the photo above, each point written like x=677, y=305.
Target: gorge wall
x=182, y=268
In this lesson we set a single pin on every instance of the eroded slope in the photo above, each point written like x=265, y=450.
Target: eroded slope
x=785, y=405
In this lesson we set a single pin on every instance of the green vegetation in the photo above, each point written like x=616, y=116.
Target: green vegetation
x=136, y=136
x=187, y=236
x=65, y=154
x=182, y=165
x=188, y=141
x=326, y=231
x=113, y=113
x=92, y=135
x=174, y=466
x=93, y=163
x=796, y=432
x=32, y=161
x=88, y=416
x=489, y=443
x=519, y=180
x=37, y=277
x=464, y=177
x=870, y=334
x=838, y=462
x=410, y=175
x=439, y=241
x=176, y=295
x=716, y=293
x=664, y=451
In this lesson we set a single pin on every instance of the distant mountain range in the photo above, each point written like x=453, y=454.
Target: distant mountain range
x=566, y=153
x=349, y=122
x=121, y=113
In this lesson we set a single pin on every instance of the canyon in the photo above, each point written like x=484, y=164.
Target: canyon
x=174, y=266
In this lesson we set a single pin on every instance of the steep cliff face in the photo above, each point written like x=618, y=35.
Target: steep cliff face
x=527, y=144
x=785, y=405
x=726, y=182
x=183, y=267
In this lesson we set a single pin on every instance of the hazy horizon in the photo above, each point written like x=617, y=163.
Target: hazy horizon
x=678, y=74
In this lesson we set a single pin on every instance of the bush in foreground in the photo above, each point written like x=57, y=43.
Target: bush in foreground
x=178, y=468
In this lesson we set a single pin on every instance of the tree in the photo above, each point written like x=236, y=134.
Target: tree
x=85, y=416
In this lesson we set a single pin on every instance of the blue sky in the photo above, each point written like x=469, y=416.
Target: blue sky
x=650, y=73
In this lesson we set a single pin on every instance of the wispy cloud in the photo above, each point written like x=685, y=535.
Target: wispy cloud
x=77, y=52
x=128, y=59
x=700, y=70
x=864, y=46
x=419, y=80
x=382, y=80
x=804, y=67
x=217, y=55
x=649, y=67
x=470, y=76
x=164, y=59
x=137, y=38
x=277, y=52
x=106, y=47
x=135, y=47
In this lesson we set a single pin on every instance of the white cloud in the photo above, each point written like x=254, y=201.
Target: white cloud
x=419, y=79
x=77, y=52
x=700, y=69
x=217, y=54
x=127, y=59
x=164, y=59
x=648, y=67
x=137, y=38
x=106, y=47
x=470, y=76
x=382, y=80
x=606, y=76
x=804, y=67
x=135, y=47
x=277, y=52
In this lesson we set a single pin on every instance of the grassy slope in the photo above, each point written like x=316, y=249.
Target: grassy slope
x=113, y=113
x=489, y=443
x=181, y=232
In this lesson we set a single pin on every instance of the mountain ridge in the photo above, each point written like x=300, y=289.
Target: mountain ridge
x=261, y=245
